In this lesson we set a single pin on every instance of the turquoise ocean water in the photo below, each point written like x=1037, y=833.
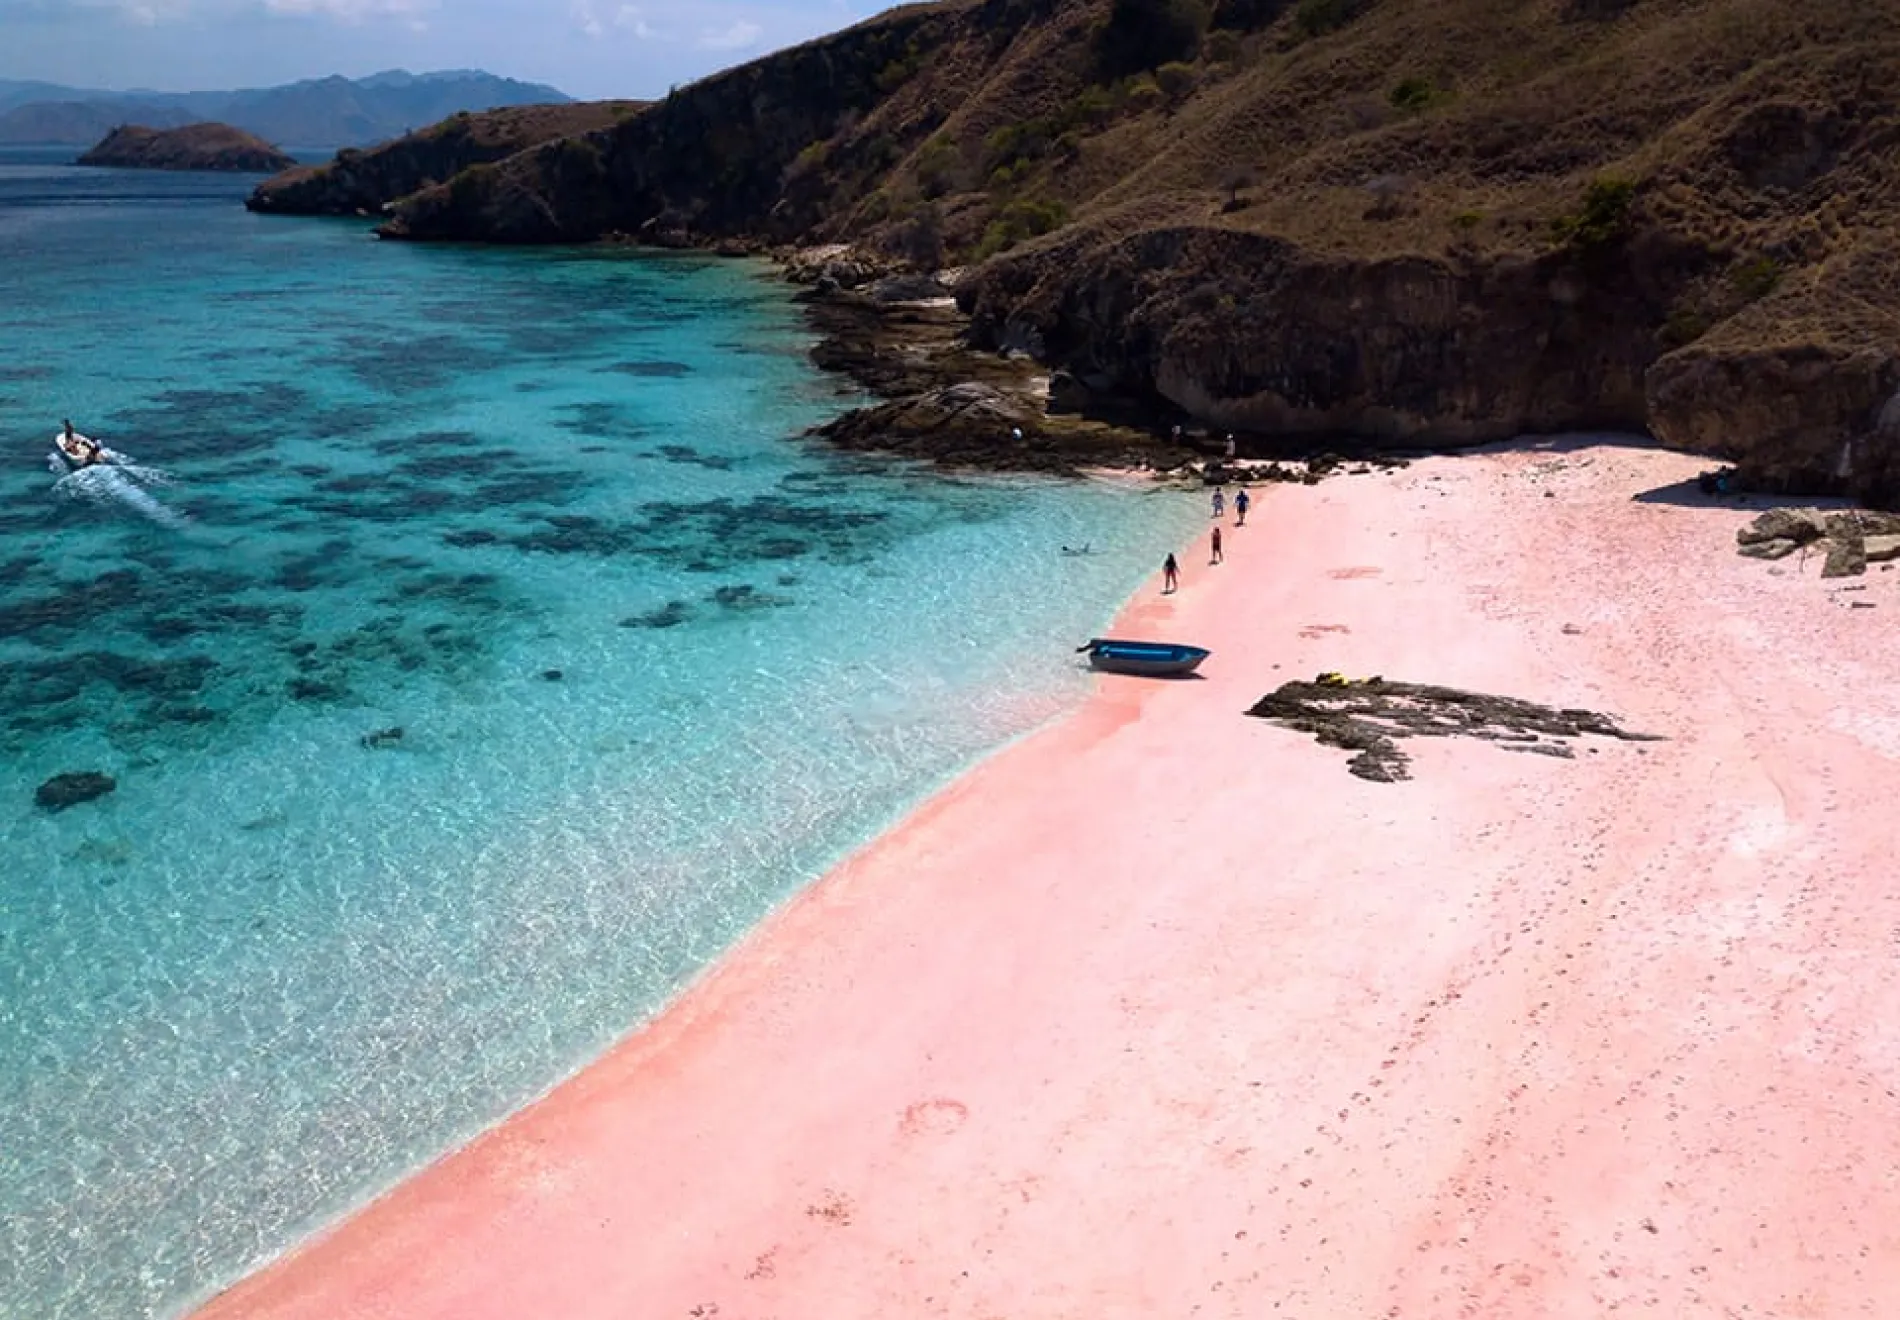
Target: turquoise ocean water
x=285, y=961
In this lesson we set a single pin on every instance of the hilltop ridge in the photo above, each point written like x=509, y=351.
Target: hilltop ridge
x=332, y=111
x=1400, y=221
x=362, y=182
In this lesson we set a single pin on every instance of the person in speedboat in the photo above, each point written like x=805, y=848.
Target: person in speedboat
x=83, y=449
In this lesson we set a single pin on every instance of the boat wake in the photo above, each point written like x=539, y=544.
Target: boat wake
x=120, y=482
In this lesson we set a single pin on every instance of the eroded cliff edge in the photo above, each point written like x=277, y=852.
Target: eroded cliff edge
x=362, y=182
x=1383, y=220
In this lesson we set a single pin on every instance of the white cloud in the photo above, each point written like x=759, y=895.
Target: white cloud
x=351, y=11
x=626, y=18
x=736, y=37
x=630, y=19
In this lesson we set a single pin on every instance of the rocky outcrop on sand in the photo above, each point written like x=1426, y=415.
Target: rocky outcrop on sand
x=193, y=147
x=363, y=182
x=1805, y=419
x=1847, y=540
x=1367, y=716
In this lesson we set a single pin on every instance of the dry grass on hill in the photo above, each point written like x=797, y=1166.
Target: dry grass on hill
x=1430, y=125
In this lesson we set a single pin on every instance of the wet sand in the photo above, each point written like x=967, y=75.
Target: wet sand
x=1162, y=1013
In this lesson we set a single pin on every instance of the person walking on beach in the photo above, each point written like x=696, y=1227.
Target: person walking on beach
x=1170, y=575
x=1220, y=501
x=1240, y=507
x=1216, y=544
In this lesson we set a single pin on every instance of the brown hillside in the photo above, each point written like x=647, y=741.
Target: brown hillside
x=361, y=182
x=1432, y=219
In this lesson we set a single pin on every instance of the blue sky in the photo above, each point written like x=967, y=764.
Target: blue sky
x=588, y=48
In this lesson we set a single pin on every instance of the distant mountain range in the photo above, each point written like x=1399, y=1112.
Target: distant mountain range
x=320, y=112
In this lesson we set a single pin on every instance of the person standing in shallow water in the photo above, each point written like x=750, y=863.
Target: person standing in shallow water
x=1170, y=575
x=1216, y=547
x=1220, y=501
x=1240, y=507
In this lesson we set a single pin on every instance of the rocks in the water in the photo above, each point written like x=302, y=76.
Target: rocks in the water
x=669, y=615
x=193, y=147
x=1366, y=716
x=1849, y=539
x=837, y=266
x=552, y=675
x=743, y=596
x=72, y=788
x=382, y=737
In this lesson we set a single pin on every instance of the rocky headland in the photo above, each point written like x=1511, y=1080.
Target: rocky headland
x=1351, y=222
x=362, y=182
x=193, y=147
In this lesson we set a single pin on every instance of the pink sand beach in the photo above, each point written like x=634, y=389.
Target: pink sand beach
x=1161, y=1013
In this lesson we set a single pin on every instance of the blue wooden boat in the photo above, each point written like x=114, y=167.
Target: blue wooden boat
x=1149, y=659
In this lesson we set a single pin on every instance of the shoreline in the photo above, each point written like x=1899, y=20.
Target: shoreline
x=1158, y=1009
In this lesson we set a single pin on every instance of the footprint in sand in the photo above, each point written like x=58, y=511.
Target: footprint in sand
x=1360, y=571
x=935, y=1118
x=1322, y=629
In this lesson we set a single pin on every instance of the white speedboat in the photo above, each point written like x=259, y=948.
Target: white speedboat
x=77, y=451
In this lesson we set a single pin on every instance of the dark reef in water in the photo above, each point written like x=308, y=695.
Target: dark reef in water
x=72, y=788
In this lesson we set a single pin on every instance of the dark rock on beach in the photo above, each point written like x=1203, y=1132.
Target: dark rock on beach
x=70, y=789
x=1846, y=539
x=1368, y=716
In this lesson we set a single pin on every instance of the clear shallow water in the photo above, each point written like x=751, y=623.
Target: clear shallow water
x=277, y=968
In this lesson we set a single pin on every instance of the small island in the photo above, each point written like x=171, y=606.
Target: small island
x=193, y=147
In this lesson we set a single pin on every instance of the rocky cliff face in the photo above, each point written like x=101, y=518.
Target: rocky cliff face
x=1390, y=220
x=193, y=147
x=1287, y=342
x=712, y=161
x=363, y=182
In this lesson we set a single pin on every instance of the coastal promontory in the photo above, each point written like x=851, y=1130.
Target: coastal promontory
x=361, y=182
x=1382, y=222
x=193, y=147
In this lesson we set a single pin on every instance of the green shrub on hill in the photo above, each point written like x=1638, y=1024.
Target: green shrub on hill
x=1604, y=217
x=1222, y=46
x=1414, y=95
x=1025, y=218
x=468, y=189
x=1141, y=34
x=1756, y=279
x=1315, y=18
x=1176, y=80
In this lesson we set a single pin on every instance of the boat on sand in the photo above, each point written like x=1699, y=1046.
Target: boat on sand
x=1147, y=659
